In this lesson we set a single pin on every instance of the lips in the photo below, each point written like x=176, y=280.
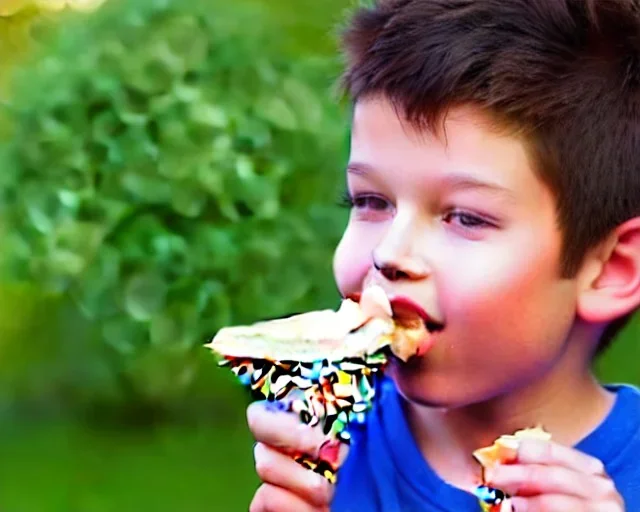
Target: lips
x=405, y=311
x=412, y=316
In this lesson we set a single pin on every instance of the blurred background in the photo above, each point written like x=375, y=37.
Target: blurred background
x=166, y=168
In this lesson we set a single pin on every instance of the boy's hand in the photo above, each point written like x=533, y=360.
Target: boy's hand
x=549, y=477
x=288, y=486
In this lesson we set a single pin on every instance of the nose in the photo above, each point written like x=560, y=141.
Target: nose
x=400, y=269
x=398, y=256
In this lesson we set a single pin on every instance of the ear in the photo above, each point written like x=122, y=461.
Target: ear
x=609, y=279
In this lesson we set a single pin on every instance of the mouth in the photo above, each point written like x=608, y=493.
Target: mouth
x=407, y=313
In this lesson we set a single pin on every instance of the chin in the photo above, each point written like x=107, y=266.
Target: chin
x=417, y=386
x=428, y=388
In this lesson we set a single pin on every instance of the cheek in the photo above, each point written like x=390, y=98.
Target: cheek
x=520, y=294
x=352, y=260
x=497, y=281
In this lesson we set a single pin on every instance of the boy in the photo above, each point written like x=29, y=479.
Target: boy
x=494, y=181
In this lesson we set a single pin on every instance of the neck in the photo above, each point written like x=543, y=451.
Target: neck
x=568, y=402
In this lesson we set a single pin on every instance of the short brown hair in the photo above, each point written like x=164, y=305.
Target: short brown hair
x=563, y=73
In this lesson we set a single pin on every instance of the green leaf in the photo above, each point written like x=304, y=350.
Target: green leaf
x=63, y=262
x=82, y=238
x=44, y=209
x=245, y=168
x=97, y=291
x=209, y=115
x=123, y=335
x=213, y=248
x=175, y=327
x=211, y=179
x=184, y=36
x=147, y=187
x=214, y=306
x=222, y=147
x=254, y=132
x=144, y=295
x=305, y=102
x=69, y=199
x=277, y=112
x=185, y=93
x=188, y=199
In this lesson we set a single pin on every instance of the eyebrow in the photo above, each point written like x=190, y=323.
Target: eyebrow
x=453, y=182
x=359, y=169
x=457, y=182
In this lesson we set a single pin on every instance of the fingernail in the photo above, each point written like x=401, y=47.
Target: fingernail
x=330, y=451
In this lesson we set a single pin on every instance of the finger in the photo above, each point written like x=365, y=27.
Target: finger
x=278, y=469
x=549, y=503
x=535, y=479
x=283, y=430
x=270, y=498
x=535, y=451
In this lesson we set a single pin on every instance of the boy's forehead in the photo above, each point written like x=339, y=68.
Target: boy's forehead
x=463, y=132
x=388, y=111
x=470, y=149
x=369, y=112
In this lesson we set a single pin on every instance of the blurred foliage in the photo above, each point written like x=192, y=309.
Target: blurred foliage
x=170, y=468
x=176, y=175
x=21, y=21
x=16, y=28
x=619, y=363
x=13, y=7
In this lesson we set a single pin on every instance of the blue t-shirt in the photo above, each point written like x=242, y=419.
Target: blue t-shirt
x=386, y=472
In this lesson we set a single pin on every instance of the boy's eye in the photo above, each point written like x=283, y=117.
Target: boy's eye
x=370, y=202
x=366, y=202
x=466, y=220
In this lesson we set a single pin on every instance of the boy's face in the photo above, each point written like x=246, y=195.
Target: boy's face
x=471, y=234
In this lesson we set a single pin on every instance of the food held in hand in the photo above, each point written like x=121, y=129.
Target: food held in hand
x=504, y=450
x=356, y=330
x=323, y=365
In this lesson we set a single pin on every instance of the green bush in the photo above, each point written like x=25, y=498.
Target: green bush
x=170, y=170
